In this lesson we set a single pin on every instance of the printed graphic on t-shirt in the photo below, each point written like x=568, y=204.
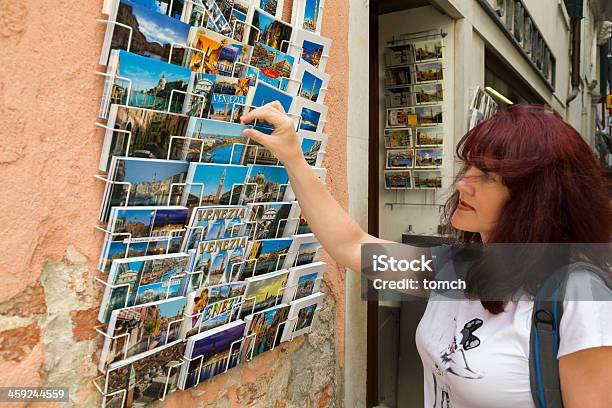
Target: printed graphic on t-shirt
x=453, y=360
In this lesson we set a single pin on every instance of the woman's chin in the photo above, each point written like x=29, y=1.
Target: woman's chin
x=460, y=223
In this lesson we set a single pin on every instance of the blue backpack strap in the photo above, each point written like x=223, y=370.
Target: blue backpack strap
x=544, y=339
x=544, y=342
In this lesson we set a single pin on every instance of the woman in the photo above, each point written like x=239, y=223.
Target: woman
x=528, y=177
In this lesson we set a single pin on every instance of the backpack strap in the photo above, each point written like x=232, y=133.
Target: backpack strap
x=544, y=339
x=544, y=342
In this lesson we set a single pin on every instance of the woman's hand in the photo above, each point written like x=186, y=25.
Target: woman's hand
x=283, y=142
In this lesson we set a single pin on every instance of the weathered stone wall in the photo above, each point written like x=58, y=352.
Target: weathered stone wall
x=49, y=151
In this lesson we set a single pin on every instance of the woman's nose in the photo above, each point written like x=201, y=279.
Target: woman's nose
x=463, y=186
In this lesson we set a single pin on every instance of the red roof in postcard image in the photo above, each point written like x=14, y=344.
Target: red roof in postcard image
x=270, y=73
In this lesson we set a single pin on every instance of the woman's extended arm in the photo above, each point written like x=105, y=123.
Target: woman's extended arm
x=338, y=233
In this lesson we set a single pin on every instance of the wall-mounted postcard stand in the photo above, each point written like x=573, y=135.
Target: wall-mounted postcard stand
x=414, y=119
x=203, y=238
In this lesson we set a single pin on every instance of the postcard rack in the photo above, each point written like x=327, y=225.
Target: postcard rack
x=415, y=116
x=182, y=258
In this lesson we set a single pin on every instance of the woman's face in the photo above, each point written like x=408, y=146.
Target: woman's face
x=482, y=197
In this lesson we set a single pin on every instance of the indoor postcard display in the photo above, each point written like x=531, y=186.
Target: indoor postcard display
x=207, y=260
x=414, y=123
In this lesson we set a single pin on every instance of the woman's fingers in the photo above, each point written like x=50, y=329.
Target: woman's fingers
x=257, y=136
x=268, y=114
x=276, y=105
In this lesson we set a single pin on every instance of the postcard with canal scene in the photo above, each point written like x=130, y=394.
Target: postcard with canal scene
x=142, y=280
x=140, y=231
x=144, y=83
x=141, y=30
x=137, y=329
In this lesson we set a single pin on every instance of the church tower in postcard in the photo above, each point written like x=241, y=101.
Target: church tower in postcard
x=218, y=195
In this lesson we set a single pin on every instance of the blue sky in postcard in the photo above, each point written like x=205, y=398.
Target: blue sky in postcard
x=210, y=175
x=137, y=171
x=275, y=174
x=275, y=244
x=159, y=28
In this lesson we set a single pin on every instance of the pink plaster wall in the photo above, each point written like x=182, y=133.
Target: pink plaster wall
x=49, y=152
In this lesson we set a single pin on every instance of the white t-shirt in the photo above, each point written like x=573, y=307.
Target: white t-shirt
x=473, y=358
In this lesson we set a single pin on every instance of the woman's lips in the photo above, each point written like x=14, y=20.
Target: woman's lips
x=465, y=207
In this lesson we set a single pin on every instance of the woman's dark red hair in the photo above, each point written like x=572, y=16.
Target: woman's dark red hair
x=558, y=191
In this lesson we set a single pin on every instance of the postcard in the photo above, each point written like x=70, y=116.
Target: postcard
x=229, y=95
x=139, y=231
x=145, y=83
x=427, y=179
x=428, y=50
x=222, y=143
x=211, y=353
x=264, y=256
x=271, y=220
x=219, y=15
x=401, y=117
x=203, y=318
x=313, y=147
x=142, y=328
x=273, y=65
x=311, y=83
x=308, y=15
x=216, y=54
x=399, y=77
x=211, y=305
x=428, y=72
x=254, y=153
x=267, y=29
x=247, y=72
x=213, y=184
x=238, y=19
x=303, y=227
x=314, y=115
x=150, y=33
x=402, y=56
x=216, y=222
x=138, y=132
x=195, y=13
x=301, y=316
x=399, y=97
x=171, y=8
x=428, y=158
x=141, y=280
x=272, y=7
x=429, y=115
x=263, y=292
x=429, y=136
x=398, y=138
x=199, y=94
x=144, y=378
x=397, y=179
x=143, y=182
x=310, y=47
x=215, y=262
x=266, y=93
x=265, y=183
x=400, y=158
x=304, y=249
x=303, y=281
x=264, y=331
x=428, y=94
x=208, y=13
